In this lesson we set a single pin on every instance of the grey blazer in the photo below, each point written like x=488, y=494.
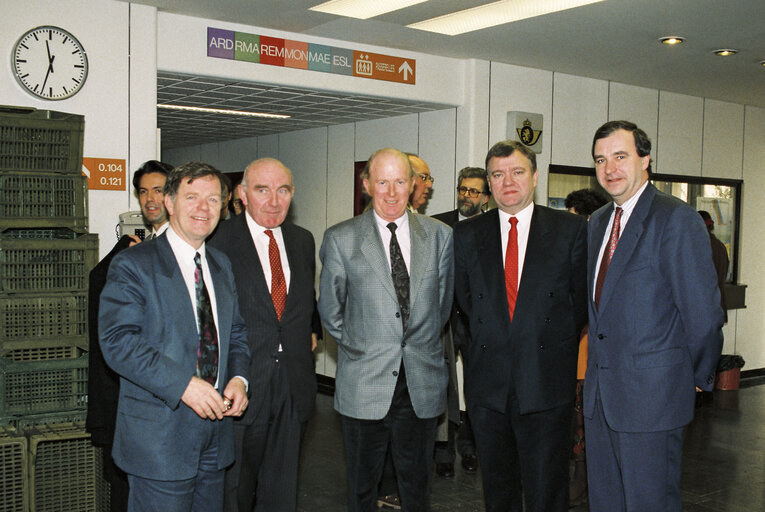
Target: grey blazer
x=359, y=309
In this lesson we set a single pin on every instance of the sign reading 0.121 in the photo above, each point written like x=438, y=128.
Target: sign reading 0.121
x=105, y=173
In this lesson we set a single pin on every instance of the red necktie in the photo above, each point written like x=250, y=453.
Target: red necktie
x=511, y=266
x=608, y=253
x=278, y=284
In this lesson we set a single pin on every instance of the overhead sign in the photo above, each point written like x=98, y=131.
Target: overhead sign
x=274, y=51
x=105, y=173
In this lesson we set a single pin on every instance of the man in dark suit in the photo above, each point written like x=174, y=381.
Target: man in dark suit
x=386, y=291
x=520, y=375
x=281, y=336
x=103, y=383
x=654, y=333
x=472, y=196
x=169, y=325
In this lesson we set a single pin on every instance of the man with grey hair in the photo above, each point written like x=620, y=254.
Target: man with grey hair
x=274, y=268
x=386, y=290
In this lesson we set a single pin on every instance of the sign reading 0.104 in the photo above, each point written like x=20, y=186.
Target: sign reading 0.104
x=105, y=173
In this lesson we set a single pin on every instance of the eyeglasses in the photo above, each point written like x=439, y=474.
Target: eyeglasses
x=469, y=191
x=426, y=177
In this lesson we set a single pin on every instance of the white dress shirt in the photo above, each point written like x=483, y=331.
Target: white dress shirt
x=261, y=241
x=627, y=208
x=402, y=235
x=184, y=255
x=523, y=226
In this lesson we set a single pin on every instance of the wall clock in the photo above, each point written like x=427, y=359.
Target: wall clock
x=49, y=63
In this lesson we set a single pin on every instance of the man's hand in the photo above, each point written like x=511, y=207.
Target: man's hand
x=314, y=341
x=204, y=399
x=236, y=392
x=135, y=240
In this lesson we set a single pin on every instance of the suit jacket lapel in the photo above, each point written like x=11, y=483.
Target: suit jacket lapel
x=245, y=243
x=374, y=251
x=417, y=257
x=223, y=303
x=627, y=243
x=170, y=284
x=490, y=264
x=536, y=246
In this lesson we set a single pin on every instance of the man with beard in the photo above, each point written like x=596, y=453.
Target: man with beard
x=472, y=196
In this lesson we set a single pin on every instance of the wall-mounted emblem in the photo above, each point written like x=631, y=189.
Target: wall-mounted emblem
x=525, y=128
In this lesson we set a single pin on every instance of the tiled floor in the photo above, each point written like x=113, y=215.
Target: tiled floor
x=723, y=461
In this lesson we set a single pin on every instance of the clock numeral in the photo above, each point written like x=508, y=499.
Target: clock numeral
x=75, y=80
x=64, y=87
x=50, y=35
x=36, y=86
x=50, y=91
x=65, y=40
x=25, y=46
x=79, y=66
x=21, y=60
x=35, y=36
x=76, y=52
x=24, y=75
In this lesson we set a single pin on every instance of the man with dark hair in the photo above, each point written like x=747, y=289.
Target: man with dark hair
x=103, y=383
x=654, y=331
x=719, y=258
x=520, y=375
x=277, y=301
x=472, y=196
x=169, y=325
x=149, y=184
x=585, y=201
x=386, y=292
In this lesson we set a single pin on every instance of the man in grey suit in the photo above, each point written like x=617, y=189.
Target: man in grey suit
x=169, y=325
x=385, y=294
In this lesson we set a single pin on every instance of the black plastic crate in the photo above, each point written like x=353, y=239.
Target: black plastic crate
x=14, y=471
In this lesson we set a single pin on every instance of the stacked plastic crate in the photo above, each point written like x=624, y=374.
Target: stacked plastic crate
x=46, y=255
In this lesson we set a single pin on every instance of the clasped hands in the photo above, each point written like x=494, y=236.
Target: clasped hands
x=208, y=403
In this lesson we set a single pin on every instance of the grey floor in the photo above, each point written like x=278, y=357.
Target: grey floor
x=723, y=460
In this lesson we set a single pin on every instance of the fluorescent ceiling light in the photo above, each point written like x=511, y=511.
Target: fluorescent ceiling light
x=495, y=13
x=363, y=9
x=223, y=111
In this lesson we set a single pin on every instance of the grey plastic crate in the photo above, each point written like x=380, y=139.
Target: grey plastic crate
x=40, y=140
x=43, y=200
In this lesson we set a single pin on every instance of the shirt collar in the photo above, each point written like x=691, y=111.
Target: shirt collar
x=524, y=216
x=401, y=222
x=181, y=248
x=255, y=228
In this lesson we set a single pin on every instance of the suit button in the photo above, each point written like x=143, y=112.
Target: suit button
x=480, y=295
x=395, y=373
x=403, y=343
x=547, y=320
x=710, y=380
x=541, y=347
x=398, y=315
x=600, y=336
x=550, y=294
x=483, y=347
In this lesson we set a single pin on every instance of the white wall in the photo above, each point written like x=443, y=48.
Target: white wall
x=118, y=99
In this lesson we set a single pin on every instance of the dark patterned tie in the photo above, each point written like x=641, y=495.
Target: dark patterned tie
x=207, y=350
x=399, y=274
x=608, y=253
x=511, y=266
x=278, y=283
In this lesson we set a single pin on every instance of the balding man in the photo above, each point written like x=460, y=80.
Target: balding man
x=274, y=269
x=423, y=183
x=385, y=294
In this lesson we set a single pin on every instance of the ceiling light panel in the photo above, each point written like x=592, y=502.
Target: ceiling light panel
x=495, y=13
x=363, y=9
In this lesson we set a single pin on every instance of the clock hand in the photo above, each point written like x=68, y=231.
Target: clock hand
x=46, y=76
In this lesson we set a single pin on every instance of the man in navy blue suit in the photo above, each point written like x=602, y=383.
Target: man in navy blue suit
x=654, y=333
x=169, y=325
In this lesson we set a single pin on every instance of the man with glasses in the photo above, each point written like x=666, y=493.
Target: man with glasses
x=423, y=183
x=472, y=196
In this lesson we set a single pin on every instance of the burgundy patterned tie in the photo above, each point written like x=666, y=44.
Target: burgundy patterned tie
x=278, y=283
x=608, y=252
x=207, y=350
x=511, y=266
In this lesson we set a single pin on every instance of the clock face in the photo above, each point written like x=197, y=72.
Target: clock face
x=50, y=63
